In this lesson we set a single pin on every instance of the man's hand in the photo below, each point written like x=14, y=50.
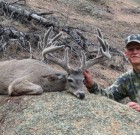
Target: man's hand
x=134, y=106
x=88, y=78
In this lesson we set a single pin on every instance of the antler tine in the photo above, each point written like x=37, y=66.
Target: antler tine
x=66, y=60
x=46, y=37
x=83, y=61
x=104, y=49
x=55, y=38
x=106, y=53
x=101, y=38
x=63, y=63
x=50, y=49
x=100, y=33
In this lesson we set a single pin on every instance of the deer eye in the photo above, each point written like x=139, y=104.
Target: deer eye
x=70, y=81
x=84, y=80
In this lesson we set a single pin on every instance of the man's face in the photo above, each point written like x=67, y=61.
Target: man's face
x=133, y=53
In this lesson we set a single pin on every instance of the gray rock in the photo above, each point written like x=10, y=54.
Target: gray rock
x=60, y=113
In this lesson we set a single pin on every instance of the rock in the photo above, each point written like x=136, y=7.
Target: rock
x=59, y=113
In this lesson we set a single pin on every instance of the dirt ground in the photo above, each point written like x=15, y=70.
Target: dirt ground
x=116, y=19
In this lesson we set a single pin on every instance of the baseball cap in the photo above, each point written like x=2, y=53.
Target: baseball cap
x=132, y=38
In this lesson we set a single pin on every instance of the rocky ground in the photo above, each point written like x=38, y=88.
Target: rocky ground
x=63, y=114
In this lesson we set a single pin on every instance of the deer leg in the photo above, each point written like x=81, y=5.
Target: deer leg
x=22, y=86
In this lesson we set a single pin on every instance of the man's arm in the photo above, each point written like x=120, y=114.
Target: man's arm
x=116, y=91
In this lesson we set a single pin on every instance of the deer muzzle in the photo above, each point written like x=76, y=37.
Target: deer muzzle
x=79, y=94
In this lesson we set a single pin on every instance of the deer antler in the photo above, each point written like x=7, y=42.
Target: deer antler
x=103, y=52
x=51, y=47
x=102, y=55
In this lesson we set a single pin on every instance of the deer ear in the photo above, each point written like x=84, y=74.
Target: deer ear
x=50, y=77
x=54, y=77
x=60, y=76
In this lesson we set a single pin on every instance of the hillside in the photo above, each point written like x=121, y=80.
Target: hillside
x=60, y=113
x=116, y=19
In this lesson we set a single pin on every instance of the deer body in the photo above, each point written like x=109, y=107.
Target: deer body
x=33, y=75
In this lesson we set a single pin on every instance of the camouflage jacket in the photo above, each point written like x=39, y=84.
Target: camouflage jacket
x=127, y=85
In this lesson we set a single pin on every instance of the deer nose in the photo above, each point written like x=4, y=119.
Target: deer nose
x=81, y=95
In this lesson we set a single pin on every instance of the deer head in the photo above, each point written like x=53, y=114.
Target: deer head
x=75, y=77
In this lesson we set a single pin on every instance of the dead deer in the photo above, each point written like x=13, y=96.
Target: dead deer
x=30, y=76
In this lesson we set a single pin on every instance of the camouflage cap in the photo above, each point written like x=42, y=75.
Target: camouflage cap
x=132, y=38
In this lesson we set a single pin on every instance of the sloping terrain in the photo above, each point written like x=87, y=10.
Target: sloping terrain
x=116, y=19
x=61, y=113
